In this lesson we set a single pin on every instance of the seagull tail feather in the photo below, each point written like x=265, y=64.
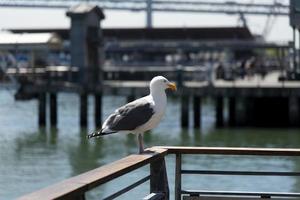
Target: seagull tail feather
x=94, y=134
x=99, y=133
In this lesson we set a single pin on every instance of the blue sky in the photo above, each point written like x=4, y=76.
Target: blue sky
x=55, y=18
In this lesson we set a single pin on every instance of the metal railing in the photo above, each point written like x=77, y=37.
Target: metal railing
x=178, y=151
x=76, y=187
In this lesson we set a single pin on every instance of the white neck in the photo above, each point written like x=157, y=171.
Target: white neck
x=159, y=96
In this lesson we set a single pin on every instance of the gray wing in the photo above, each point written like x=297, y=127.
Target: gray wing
x=130, y=116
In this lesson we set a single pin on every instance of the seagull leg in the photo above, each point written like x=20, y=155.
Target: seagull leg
x=141, y=143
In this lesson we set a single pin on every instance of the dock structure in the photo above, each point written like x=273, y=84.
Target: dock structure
x=251, y=101
x=76, y=187
x=86, y=51
x=255, y=102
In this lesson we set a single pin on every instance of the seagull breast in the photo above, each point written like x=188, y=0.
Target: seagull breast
x=158, y=102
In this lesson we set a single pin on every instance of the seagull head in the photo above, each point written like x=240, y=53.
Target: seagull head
x=161, y=83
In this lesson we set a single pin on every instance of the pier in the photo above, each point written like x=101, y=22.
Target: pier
x=76, y=187
x=266, y=101
x=204, y=64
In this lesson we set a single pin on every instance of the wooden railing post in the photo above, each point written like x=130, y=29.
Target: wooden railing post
x=178, y=177
x=53, y=109
x=42, y=104
x=185, y=110
x=159, y=178
x=83, y=110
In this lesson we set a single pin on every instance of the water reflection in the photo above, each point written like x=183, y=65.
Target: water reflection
x=254, y=138
x=53, y=135
x=197, y=134
x=33, y=158
x=185, y=138
x=85, y=155
x=45, y=157
x=131, y=143
x=39, y=139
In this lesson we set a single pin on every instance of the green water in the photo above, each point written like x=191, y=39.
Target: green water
x=32, y=158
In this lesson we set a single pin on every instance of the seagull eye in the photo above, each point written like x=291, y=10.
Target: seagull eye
x=165, y=81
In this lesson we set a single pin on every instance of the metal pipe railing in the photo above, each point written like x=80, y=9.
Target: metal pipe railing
x=179, y=151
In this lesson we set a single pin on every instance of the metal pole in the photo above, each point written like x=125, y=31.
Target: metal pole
x=149, y=14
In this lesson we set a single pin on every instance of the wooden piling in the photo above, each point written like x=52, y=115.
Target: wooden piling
x=219, y=111
x=53, y=109
x=83, y=110
x=197, y=111
x=98, y=110
x=184, y=111
x=159, y=178
x=232, y=111
x=42, y=101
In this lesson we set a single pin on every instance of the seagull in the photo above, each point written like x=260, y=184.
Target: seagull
x=140, y=115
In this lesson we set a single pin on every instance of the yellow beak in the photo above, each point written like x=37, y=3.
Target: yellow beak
x=172, y=86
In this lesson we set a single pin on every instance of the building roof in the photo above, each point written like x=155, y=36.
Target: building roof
x=82, y=9
x=12, y=40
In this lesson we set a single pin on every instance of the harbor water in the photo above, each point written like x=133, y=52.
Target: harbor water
x=32, y=158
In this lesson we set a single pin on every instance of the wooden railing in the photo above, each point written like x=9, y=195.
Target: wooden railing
x=76, y=187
